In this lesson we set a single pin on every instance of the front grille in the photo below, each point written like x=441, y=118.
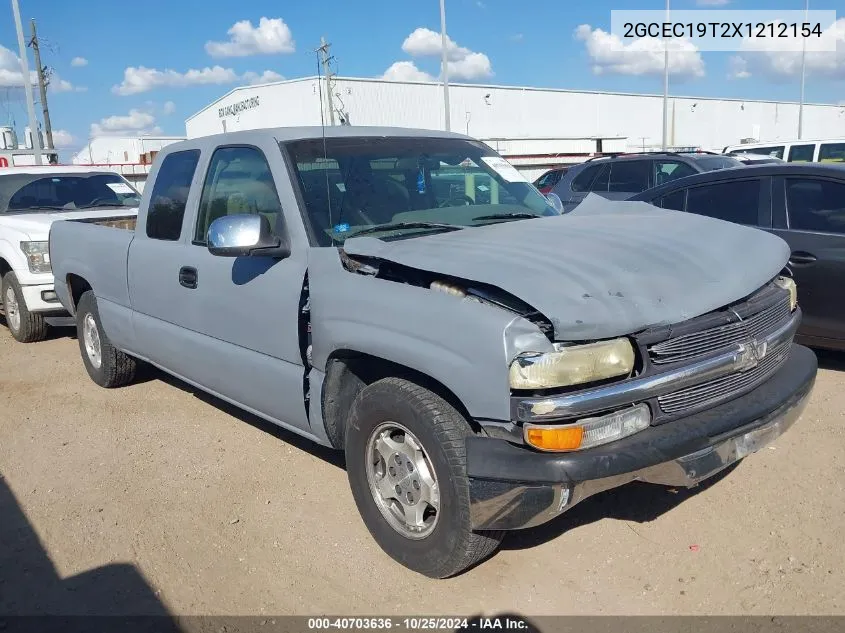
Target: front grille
x=691, y=346
x=688, y=348
x=721, y=388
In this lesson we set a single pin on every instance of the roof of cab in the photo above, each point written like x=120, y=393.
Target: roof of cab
x=318, y=132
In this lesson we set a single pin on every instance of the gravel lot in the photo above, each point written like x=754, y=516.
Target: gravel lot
x=200, y=509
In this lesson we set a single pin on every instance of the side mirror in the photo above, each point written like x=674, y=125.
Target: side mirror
x=555, y=202
x=245, y=236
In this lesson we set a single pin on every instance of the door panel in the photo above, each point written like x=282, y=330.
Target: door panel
x=811, y=219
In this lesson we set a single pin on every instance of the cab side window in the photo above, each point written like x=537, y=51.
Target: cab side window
x=170, y=195
x=238, y=182
x=582, y=181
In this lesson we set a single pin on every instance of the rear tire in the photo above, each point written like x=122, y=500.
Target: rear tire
x=408, y=443
x=25, y=326
x=106, y=365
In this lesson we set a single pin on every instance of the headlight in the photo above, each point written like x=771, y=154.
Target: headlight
x=37, y=256
x=588, y=432
x=788, y=284
x=573, y=365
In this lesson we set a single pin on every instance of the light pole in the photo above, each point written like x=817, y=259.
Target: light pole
x=443, y=62
x=666, y=85
x=803, y=70
x=27, y=85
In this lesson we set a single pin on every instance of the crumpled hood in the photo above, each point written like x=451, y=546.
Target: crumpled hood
x=37, y=225
x=606, y=269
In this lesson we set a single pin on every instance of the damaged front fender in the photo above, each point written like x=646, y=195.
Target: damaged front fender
x=463, y=344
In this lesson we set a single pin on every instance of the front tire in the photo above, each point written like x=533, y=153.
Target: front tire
x=406, y=463
x=25, y=326
x=106, y=365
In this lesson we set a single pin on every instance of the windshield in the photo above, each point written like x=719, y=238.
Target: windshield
x=24, y=193
x=711, y=163
x=394, y=188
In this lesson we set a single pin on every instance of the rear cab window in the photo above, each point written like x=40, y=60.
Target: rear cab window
x=674, y=201
x=170, y=195
x=773, y=150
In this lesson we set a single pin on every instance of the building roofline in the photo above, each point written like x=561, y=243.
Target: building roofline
x=504, y=87
x=239, y=88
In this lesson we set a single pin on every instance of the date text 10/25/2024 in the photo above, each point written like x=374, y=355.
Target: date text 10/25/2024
x=501, y=623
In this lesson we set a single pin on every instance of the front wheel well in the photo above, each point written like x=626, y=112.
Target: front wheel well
x=5, y=267
x=348, y=372
x=77, y=286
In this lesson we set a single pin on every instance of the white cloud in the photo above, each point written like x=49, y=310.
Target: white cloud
x=12, y=77
x=169, y=107
x=712, y=3
x=269, y=37
x=405, y=71
x=645, y=56
x=266, y=77
x=738, y=68
x=63, y=139
x=78, y=62
x=461, y=61
x=136, y=123
x=141, y=79
x=783, y=58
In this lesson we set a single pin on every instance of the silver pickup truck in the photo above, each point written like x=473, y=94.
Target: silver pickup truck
x=409, y=298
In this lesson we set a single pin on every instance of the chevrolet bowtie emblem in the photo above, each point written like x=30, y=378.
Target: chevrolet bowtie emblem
x=751, y=353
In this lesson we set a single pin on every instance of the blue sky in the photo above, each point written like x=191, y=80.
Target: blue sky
x=111, y=64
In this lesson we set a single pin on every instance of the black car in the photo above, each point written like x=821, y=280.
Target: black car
x=802, y=203
x=620, y=176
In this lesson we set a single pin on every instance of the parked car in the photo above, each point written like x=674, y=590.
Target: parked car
x=31, y=199
x=756, y=159
x=547, y=181
x=802, y=203
x=624, y=175
x=830, y=150
x=484, y=366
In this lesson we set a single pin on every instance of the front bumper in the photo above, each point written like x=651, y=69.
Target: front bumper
x=513, y=487
x=42, y=298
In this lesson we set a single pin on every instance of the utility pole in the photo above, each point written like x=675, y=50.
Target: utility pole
x=444, y=63
x=666, y=85
x=42, y=85
x=27, y=84
x=325, y=60
x=803, y=72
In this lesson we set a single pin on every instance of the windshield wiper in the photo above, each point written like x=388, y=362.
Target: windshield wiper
x=38, y=207
x=406, y=225
x=506, y=216
x=101, y=204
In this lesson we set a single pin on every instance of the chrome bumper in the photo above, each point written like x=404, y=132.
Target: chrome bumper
x=508, y=503
x=738, y=357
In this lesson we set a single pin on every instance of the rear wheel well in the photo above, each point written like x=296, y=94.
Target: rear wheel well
x=348, y=372
x=77, y=286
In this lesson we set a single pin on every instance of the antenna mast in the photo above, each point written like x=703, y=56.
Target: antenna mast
x=325, y=60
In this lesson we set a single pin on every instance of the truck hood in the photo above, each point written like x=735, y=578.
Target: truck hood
x=606, y=269
x=37, y=225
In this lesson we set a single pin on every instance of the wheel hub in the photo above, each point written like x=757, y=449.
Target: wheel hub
x=91, y=338
x=402, y=480
x=10, y=307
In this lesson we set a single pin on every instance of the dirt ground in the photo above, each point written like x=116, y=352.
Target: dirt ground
x=200, y=509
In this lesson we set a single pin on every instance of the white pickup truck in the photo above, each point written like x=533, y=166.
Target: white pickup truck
x=31, y=199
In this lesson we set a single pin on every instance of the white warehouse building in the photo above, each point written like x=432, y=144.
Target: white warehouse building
x=534, y=128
